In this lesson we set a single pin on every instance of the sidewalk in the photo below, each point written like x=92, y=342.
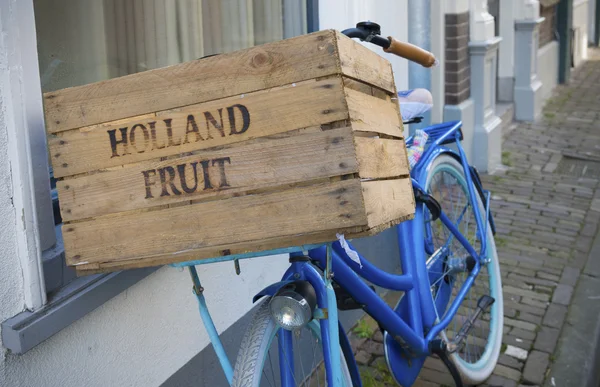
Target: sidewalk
x=546, y=204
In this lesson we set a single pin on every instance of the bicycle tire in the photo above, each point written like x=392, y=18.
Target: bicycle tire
x=479, y=371
x=257, y=341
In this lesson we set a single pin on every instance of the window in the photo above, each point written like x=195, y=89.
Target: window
x=111, y=38
x=83, y=42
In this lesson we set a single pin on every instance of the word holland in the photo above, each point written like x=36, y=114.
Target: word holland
x=141, y=138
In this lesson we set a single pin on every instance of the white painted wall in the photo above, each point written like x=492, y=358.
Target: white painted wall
x=580, y=27
x=548, y=73
x=457, y=6
x=145, y=334
x=391, y=15
x=12, y=299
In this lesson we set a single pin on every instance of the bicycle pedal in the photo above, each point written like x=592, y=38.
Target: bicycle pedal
x=484, y=303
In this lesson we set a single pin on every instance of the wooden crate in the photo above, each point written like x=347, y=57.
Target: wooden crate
x=278, y=145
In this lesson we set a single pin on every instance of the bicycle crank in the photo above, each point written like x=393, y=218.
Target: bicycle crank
x=483, y=305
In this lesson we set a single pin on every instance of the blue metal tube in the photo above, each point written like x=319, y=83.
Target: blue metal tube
x=411, y=238
x=286, y=358
x=374, y=274
x=316, y=281
x=455, y=304
x=472, y=195
x=210, y=326
x=408, y=266
x=374, y=305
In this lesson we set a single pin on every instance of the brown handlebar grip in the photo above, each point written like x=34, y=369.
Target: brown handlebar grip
x=410, y=52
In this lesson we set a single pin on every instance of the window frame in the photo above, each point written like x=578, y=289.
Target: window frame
x=66, y=303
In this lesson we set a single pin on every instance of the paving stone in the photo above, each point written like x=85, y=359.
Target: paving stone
x=499, y=381
x=441, y=378
x=509, y=304
x=527, y=293
x=522, y=334
x=510, y=361
x=516, y=352
x=374, y=348
x=535, y=367
x=546, y=339
x=555, y=315
x=356, y=342
x=530, y=279
x=362, y=357
x=543, y=289
x=537, y=320
x=378, y=336
x=424, y=383
x=507, y=372
x=520, y=324
x=548, y=276
x=517, y=342
x=562, y=294
x=570, y=276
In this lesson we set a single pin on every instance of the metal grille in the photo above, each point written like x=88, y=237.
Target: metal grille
x=578, y=168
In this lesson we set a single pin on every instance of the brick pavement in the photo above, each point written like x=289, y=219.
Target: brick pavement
x=546, y=217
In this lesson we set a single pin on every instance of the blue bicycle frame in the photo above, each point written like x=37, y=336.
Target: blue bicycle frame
x=422, y=325
x=414, y=324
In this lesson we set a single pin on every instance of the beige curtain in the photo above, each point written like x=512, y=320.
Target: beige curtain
x=110, y=38
x=146, y=34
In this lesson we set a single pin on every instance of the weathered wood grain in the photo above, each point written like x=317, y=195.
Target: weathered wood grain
x=359, y=62
x=372, y=114
x=267, y=162
x=172, y=132
x=380, y=158
x=388, y=200
x=256, y=68
x=176, y=231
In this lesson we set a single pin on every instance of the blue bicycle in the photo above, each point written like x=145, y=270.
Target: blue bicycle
x=451, y=305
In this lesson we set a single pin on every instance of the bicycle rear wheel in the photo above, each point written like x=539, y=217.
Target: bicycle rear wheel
x=478, y=357
x=258, y=359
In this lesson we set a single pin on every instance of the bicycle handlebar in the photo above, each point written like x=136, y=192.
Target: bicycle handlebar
x=410, y=52
x=369, y=32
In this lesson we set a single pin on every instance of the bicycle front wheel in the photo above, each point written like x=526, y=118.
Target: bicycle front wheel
x=258, y=361
x=478, y=356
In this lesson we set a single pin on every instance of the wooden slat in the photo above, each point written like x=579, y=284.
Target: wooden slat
x=293, y=158
x=388, y=200
x=269, y=112
x=257, y=68
x=212, y=252
x=359, y=62
x=381, y=158
x=372, y=114
x=180, y=230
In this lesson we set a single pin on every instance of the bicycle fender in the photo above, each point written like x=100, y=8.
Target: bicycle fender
x=270, y=290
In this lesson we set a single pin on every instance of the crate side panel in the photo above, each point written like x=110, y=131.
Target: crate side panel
x=359, y=62
x=381, y=158
x=266, y=244
x=388, y=202
x=256, y=68
x=372, y=114
x=291, y=157
x=249, y=218
x=201, y=126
